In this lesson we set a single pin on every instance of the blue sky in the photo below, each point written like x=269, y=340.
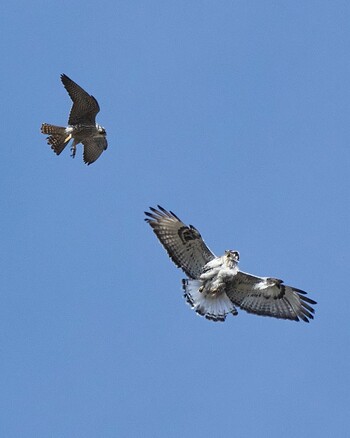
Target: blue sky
x=234, y=115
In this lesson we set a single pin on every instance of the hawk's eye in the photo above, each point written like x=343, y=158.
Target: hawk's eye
x=233, y=254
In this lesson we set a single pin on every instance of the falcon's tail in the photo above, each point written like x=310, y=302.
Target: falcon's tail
x=212, y=308
x=58, y=137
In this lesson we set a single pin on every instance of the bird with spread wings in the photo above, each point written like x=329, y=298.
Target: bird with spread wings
x=82, y=126
x=215, y=285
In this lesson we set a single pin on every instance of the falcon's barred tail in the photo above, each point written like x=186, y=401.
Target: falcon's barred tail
x=58, y=137
x=212, y=308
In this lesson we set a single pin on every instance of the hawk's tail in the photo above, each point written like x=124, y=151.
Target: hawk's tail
x=58, y=137
x=214, y=308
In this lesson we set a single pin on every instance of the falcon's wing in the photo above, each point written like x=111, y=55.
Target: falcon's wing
x=183, y=243
x=85, y=107
x=270, y=297
x=93, y=148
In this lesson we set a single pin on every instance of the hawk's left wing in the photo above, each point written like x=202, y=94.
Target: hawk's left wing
x=93, y=148
x=269, y=297
x=183, y=243
x=85, y=107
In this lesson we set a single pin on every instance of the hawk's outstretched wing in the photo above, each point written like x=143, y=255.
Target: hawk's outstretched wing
x=85, y=107
x=269, y=297
x=183, y=243
x=93, y=148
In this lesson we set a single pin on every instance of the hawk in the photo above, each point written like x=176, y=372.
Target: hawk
x=82, y=126
x=215, y=285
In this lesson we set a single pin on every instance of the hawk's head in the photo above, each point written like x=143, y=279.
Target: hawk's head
x=231, y=255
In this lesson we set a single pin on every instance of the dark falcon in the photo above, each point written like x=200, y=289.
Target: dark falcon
x=82, y=126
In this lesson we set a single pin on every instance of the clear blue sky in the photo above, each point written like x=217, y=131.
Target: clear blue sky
x=236, y=116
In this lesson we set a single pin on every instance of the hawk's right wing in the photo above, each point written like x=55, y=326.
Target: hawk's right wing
x=183, y=243
x=269, y=297
x=85, y=107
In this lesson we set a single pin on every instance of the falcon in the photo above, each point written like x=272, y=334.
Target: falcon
x=82, y=126
x=215, y=286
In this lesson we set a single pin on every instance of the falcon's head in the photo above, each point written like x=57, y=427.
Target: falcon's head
x=101, y=129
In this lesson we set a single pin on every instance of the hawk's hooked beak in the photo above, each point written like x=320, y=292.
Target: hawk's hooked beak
x=232, y=254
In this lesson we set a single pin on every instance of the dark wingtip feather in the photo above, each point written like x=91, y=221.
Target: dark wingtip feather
x=306, y=312
x=160, y=213
x=302, y=292
x=168, y=213
x=299, y=291
x=309, y=308
x=305, y=315
x=176, y=217
x=64, y=76
x=147, y=219
x=308, y=300
x=303, y=297
x=153, y=218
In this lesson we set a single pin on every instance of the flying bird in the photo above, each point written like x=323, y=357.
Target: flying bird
x=215, y=286
x=82, y=126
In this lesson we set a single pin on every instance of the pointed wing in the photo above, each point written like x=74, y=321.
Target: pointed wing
x=270, y=297
x=85, y=107
x=183, y=243
x=93, y=148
